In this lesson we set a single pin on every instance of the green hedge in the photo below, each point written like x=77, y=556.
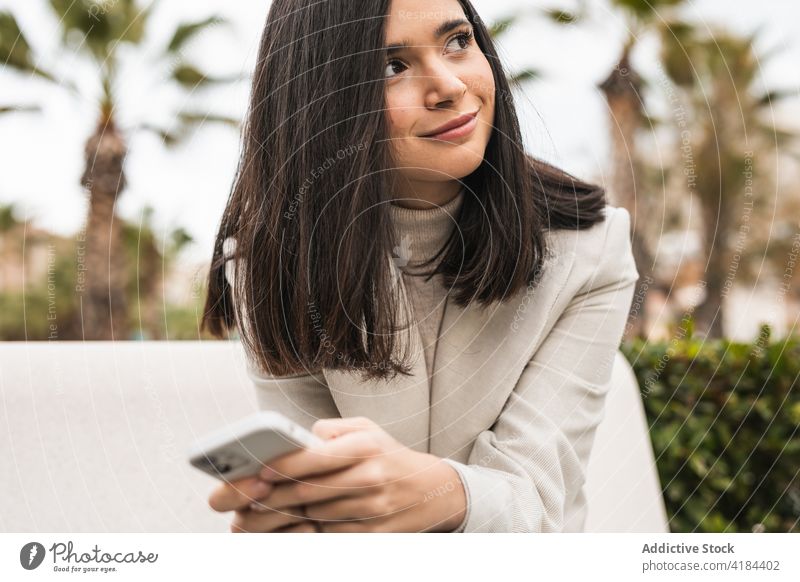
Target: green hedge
x=724, y=419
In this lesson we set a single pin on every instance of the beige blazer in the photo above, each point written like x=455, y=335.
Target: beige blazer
x=517, y=390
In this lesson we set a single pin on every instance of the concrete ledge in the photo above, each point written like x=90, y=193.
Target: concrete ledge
x=95, y=433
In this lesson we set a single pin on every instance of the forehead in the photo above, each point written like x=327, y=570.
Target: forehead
x=419, y=17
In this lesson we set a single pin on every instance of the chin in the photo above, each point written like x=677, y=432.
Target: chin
x=443, y=165
x=462, y=162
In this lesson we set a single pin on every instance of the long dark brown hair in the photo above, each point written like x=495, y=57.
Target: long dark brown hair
x=313, y=285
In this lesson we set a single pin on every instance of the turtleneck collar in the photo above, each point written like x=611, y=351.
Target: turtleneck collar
x=422, y=233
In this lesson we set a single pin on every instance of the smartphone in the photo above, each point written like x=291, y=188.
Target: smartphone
x=240, y=450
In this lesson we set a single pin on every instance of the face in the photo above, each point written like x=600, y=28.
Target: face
x=441, y=76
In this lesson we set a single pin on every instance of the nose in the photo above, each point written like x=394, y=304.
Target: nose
x=443, y=87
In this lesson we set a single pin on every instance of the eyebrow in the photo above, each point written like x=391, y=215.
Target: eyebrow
x=440, y=31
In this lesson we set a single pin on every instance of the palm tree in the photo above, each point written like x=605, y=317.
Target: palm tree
x=98, y=31
x=500, y=27
x=732, y=138
x=623, y=91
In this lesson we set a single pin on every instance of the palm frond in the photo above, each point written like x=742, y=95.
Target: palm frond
x=19, y=109
x=179, y=239
x=775, y=95
x=190, y=77
x=646, y=10
x=70, y=13
x=170, y=138
x=101, y=25
x=15, y=51
x=562, y=16
x=524, y=75
x=198, y=119
x=186, y=123
x=88, y=21
x=132, y=21
x=679, y=49
x=501, y=26
x=186, y=32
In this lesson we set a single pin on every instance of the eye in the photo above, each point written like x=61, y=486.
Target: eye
x=463, y=38
x=392, y=66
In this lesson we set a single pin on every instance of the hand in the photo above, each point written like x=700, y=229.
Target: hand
x=360, y=480
x=240, y=495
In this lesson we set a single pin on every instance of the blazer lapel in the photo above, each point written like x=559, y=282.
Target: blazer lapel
x=482, y=353
x=400, y=405
x=479, y=358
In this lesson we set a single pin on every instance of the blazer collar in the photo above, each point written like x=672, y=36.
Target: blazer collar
x=487, y=347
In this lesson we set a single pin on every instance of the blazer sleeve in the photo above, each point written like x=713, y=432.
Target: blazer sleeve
x=524, y=470
x=303, y=398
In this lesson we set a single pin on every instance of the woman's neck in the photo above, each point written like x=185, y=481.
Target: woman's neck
x=426, y=195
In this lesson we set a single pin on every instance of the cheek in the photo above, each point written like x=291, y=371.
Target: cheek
x=483, y=82
x=485, y=91
x=399, y=113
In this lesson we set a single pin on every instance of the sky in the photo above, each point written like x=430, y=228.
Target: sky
x=563, y=116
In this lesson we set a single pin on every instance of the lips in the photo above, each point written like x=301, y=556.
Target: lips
x=457, y=122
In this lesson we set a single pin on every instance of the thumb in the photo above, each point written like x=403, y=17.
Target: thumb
x=330, y=428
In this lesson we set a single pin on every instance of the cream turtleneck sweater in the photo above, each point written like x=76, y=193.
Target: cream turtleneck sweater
x=420, y=235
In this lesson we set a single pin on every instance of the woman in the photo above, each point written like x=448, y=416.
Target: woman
x=440, y=307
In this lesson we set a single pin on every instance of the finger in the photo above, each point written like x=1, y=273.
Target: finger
x=330, y=428
x=358, y=480
x=350, y=508
x=238, y=494
x=332, y=455
x=251, y=521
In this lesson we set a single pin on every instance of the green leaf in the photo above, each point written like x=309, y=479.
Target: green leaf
x=186, y=123
x=645, y=10
x=562, y=16
x=100, y=25
x=194, y=119
x=170, y=137
x=19, y=109
x=15, y=51
x=133, y=21
x=775, y=95
x=180, y=237
x=188, y=31
x=794, y=413
x=501, y=26
x=190, y=77
x=524, y=75
x=679, y=49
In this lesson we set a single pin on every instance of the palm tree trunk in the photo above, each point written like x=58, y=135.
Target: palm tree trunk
x=622, y=92
x=104, y=302
x=718, y=192
x=709, y=313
